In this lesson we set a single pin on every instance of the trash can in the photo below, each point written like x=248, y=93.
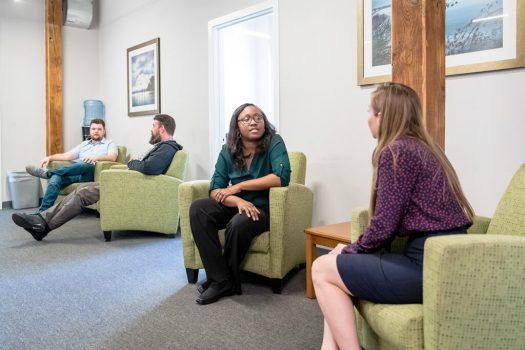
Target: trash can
x=24, y=189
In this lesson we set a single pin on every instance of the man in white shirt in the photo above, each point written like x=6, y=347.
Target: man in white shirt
x=85, y=156
x=155, y=161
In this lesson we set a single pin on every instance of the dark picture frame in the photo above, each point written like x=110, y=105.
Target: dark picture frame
x=143, y=64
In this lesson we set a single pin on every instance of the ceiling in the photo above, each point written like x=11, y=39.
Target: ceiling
x=23, y=9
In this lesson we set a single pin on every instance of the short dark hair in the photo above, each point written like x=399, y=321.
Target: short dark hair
x=167, y=122
x=98, y=121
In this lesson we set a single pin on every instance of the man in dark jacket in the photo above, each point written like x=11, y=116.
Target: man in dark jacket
x=154, y=161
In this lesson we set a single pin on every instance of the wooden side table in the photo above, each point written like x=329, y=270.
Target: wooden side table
x=328, y=236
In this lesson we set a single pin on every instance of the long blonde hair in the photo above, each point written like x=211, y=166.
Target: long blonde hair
x=401, y=116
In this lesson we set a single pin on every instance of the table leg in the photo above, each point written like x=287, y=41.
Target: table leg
x=310, y=256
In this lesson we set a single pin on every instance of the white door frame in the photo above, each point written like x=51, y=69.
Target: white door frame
x=215, y=106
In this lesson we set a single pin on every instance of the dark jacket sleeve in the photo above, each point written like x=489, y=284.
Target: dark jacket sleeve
x=156, y=163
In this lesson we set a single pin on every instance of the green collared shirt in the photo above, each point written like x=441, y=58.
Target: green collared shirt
x=274, y=161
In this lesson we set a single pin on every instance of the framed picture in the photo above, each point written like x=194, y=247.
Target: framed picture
x=480, y=35
x=144, y=78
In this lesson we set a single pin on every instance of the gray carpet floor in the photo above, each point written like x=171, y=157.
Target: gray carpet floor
x=74, y=291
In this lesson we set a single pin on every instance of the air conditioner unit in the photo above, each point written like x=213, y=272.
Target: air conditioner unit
x=77, y=13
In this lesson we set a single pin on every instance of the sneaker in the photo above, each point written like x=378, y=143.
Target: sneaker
x=36, y=171
x=32, y=223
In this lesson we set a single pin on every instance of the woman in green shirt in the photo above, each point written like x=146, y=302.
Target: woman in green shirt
x=253, y=160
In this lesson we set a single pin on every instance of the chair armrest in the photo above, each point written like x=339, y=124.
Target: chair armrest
x=131, y=182
x=473, y=291
x=99, y=166
x=359, y=222
x=119, y=166
x=103, y=165
x=189, y=192
x=480, y=225
x=132, y=200
x=290, y=213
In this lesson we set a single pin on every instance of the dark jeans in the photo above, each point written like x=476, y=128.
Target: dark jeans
x=207, y=217
x=61, y=177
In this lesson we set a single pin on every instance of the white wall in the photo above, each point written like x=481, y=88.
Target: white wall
x=485, y=133
x=22, y=92
x=182, y=27
x=323, y=111
x=80, y=80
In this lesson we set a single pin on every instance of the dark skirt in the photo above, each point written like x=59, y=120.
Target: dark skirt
x=388, y=278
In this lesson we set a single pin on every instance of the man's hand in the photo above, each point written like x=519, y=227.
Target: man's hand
x=90, y=159
x=249, y=209
x=221, y=194
x=44, y=163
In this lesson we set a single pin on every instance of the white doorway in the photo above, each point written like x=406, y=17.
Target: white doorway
x=243, y=60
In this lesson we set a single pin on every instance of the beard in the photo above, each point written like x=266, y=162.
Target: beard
x=96, y=138
x=154, y=139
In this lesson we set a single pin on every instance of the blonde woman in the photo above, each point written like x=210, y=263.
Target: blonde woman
x=415, y=193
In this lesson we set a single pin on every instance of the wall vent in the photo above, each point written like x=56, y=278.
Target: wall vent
x=77, y=13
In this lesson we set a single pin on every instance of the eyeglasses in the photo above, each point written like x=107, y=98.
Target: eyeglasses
x=257, y=118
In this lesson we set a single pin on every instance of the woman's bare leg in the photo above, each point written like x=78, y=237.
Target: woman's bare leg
x=328, y=339
x=335, y=302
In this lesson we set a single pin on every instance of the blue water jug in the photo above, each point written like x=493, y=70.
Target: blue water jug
x=93, y=109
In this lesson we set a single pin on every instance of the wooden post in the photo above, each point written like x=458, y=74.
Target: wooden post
x=418, y=57
x=54, y=129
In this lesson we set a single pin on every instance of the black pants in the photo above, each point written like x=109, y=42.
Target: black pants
x=207, y=217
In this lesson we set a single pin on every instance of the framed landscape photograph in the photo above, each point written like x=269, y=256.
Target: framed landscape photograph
x=480, y=35
x=144, y=78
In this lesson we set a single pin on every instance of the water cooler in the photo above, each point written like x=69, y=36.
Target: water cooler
x=93, y=109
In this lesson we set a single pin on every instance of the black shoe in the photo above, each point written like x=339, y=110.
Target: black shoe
x=201, y=288
x=32, y=223
x=214, y=292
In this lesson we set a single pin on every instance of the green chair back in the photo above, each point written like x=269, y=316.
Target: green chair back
x=298, y=165
x=122, y=156
x=178, y=166
x=509, y=218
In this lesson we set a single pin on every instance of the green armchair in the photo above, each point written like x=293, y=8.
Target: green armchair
x=473, y=287
x=273, y=253
x=122, y=158
x=130, y=200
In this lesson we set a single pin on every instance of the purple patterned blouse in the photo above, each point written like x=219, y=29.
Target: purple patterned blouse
x=412, y=196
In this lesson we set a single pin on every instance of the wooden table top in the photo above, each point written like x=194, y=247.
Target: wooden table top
x=340, y=231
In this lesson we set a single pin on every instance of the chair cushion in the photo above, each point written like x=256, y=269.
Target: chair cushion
x=260, y=244
x=399, y=325
x=509, y=218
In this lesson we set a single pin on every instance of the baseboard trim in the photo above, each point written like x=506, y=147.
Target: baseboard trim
x=9, y=204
